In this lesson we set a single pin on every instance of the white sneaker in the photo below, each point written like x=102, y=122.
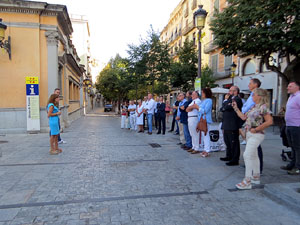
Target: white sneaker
x=62, y=142
x=243, y=142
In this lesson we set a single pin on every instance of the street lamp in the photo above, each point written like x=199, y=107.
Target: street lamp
x=233, y=68
x=199, y=22
x=5, y=44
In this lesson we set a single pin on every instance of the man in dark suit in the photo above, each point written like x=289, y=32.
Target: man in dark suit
x=231, y=124
x=184, y=120
x=161, y=115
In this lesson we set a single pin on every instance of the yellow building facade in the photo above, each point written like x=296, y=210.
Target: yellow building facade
x=40, y=47
x=181, y=27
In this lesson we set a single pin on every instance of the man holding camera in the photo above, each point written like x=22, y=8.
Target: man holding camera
x=231, y=124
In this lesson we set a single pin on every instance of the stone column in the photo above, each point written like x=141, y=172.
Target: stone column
x=52, y=47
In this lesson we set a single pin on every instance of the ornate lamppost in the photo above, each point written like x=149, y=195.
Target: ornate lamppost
x=199, y=22
x=5, y=44
x=233, y=68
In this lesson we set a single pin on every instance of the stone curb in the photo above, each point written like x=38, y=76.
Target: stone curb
x=286, y=194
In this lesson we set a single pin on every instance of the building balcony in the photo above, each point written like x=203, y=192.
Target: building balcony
x=210, y=46
x=188, y=28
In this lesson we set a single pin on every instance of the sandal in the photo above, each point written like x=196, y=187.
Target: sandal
x=53, y=152
x=59, y=150
x=255, y=180
x=195, y=152
x=244, y=185
x=205, y=154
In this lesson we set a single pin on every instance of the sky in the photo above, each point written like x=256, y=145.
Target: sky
x=116, y=23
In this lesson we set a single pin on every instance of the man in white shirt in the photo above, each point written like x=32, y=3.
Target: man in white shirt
x=193, y=121
x=149, y=109
x=131, y=109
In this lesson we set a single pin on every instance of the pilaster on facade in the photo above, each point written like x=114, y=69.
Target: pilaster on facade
x=52, y=38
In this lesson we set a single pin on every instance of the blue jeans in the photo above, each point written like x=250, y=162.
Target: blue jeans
x=187, y=135
x=149, y=117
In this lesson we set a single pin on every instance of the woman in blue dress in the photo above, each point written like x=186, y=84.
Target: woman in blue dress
x=53, y=113
x=205, y=110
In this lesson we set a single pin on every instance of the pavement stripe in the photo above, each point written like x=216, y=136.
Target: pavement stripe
x=164, y=195
x=38, y=164
x=261, y=186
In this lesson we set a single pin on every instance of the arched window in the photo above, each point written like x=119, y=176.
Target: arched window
x=249, y=67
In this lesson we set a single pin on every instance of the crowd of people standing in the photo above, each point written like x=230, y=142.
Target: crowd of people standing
x=246, y=118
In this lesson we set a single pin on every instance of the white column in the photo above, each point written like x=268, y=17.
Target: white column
x=52, y=48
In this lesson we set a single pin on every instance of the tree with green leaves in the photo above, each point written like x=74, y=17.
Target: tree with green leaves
x=207, y=78
x=149, y=64
x=158, y=62
x=184, y=72
x=260, y=28
x=137, y=67
x=114, y=81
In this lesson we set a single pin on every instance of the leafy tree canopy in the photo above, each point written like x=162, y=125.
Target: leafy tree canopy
x=260, y=28
x=184, y=72
x=114, y=80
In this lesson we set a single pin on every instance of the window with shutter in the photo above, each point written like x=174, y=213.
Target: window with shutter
x=194, y=4
x=214, y=63
x=227, y=63
x=217, y=5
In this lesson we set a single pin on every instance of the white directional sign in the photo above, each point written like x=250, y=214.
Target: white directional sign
x=33, y=104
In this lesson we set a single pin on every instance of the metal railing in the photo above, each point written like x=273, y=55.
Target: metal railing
x=188, y=28
x=210, y=46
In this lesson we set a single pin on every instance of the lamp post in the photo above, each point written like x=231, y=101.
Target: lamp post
x=233, y=68
x=5, y=44
x=199, y=22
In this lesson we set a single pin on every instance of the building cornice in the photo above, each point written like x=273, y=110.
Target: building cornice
x=74, y=65
x=40, y=8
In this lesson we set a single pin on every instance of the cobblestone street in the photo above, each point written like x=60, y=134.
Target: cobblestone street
x=107, y=175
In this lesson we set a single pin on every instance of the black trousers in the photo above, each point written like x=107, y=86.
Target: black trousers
x=261, y=158
x=293, y=136
x=173, y=121
x=156, y=120
x=144, y=121
x=231, y=139
x=162, y=121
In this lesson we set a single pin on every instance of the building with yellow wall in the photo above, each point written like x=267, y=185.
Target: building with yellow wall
x=40, y=47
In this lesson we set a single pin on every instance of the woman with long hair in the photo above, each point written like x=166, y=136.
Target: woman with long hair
x=205, y=110
x=257, y=119
x=53, y=113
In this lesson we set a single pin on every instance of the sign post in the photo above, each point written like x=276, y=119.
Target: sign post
x=198, y=85
x=33, y=104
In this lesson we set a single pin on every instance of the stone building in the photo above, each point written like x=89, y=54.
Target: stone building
x=40, y=47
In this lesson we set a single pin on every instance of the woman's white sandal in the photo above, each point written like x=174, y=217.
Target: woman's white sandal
x=244, y=185
x=255, y=180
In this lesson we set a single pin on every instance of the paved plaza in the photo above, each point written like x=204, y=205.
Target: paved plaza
x=107, y=175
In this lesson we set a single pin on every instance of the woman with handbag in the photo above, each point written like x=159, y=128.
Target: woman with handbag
x=258, y=118
x=205, y=120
